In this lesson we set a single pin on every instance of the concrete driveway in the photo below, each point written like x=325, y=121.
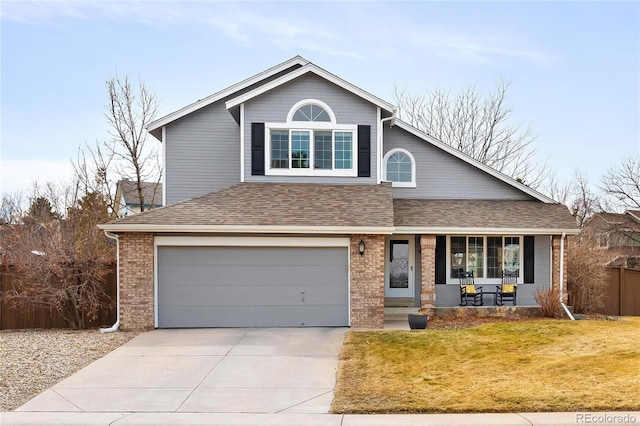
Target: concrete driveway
x=275, y=370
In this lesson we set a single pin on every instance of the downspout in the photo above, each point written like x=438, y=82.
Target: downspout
x=391, y=118
x=115, y=326
x=566, y=310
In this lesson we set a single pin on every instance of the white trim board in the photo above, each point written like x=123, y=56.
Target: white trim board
x=341, y=230
x=309, y=67
x=251, y=241
x=297, y=60
x=242, y=153
x=257, y=229
x=482, y=231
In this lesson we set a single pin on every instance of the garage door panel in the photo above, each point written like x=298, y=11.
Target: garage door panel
x=249, y=295
x=252, y=286
x=237, y=256
x=244, y=316
x=251, y=274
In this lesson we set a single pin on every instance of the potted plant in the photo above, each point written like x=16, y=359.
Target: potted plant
x=418, y=321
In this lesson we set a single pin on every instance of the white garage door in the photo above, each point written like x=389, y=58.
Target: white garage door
x=252, y=286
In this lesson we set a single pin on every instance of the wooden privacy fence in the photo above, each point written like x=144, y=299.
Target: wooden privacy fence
x=13, y=319
x=623, y=296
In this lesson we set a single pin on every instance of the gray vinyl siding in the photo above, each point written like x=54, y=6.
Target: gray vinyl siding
x=440, y=175
x=252, y=287
x=542, y=260
x=273, y=106
x=448, y=295
x=202, y=153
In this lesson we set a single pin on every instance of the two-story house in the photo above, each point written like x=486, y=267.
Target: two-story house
x=295, y=198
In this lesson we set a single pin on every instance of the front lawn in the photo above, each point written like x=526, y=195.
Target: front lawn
x=526, y=366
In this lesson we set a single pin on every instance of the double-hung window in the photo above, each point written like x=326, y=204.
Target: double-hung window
x=311, y=143
x=485, y=256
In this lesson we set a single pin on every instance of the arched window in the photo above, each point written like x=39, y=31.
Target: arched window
x=400, y=168
x=311, y=143
x=311, y=112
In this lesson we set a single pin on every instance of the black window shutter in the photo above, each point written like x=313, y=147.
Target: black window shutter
x=529, y=259
x=441, y=259
x=364, y=150
x=257, y=149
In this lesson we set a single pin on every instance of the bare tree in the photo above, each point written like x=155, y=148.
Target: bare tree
x=129, y=110
x=587, y=275
x=94, y=171
x=478, y=126
x=11, y=208
x=60, y=262
x=622, y=183
x=578, y=196
x=126, y=156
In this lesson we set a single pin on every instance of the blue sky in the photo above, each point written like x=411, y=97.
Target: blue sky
x=575, y=65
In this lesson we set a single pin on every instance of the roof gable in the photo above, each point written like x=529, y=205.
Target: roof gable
x=309, y=68
x=155, y=126
x=297, y=67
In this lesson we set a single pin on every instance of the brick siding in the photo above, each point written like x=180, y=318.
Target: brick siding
x=367, y=282
x=555, y=255
x=136, y=281
x=428, y=272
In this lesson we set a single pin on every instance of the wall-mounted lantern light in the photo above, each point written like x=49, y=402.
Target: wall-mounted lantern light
x=361, y=247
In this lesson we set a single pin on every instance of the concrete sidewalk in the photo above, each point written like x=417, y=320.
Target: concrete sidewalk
x=121, y=419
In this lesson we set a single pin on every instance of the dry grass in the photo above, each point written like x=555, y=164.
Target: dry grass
x=524, y=366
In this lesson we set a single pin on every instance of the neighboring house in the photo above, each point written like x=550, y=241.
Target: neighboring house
x=128, y=200
x=295, y=198
x=618, y=233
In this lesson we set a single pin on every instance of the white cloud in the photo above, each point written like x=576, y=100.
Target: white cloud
x=19, y=175
x=242, y=23
x=289, y=28
x=474, y=48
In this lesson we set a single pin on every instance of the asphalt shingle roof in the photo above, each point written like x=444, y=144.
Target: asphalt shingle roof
x=371, y=206
x=152, y=192
x=279, y=204
x=482, y=214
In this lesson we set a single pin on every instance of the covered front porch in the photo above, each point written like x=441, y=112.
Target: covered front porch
x=421, y=271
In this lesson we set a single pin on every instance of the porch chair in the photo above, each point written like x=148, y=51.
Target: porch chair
x=469, y=291
x=508, y=290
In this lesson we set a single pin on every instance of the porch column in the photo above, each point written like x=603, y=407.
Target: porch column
x=428, y=272
x=136, y=281
x=367, y=281
x=555, y=265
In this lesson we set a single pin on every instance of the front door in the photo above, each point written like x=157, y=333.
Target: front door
x=399, y=267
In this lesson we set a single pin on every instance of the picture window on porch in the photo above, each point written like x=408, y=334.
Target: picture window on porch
x=485, y=256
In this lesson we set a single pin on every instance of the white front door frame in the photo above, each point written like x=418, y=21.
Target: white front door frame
x=400, y=292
